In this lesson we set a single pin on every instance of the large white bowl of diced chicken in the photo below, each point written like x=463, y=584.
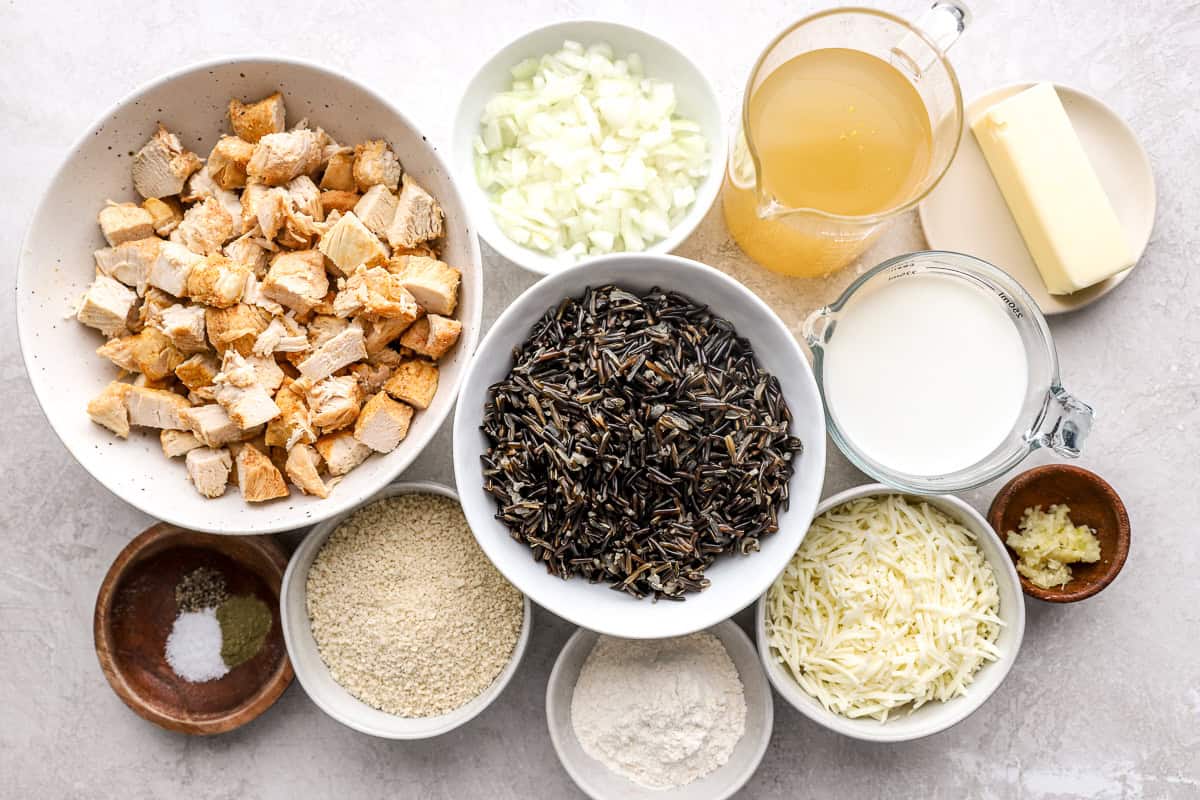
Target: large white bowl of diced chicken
x=248, y=296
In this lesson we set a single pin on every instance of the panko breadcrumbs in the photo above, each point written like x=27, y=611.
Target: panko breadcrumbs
x=408, y=614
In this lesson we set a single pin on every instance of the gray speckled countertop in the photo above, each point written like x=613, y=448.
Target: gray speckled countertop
x=1104, y=700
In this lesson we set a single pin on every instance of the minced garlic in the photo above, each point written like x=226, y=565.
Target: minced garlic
x=1049, y=542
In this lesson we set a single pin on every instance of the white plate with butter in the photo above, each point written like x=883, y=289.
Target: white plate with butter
x=968, y=214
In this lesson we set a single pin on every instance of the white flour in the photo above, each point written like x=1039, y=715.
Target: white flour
x=660, y=712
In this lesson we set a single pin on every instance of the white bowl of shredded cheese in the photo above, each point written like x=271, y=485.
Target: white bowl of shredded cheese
x=581, y=190
x=960, y=578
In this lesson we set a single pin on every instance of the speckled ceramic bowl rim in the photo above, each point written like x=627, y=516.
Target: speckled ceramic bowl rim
x=306, y=668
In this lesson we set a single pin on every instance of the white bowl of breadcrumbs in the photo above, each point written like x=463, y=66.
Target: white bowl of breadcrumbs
x=396, y=623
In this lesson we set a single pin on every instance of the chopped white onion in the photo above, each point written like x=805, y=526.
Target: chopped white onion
x=584, y=155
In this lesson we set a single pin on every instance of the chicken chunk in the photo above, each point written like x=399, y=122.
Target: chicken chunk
x=205, y=227
x=184, y=326
x=418, y=217
x=166, y=213
x=305, y=197
x=177, y=443
x=202, y=186
x=129, y=262
x=267, y=372
x=376, y=371
x=375, y=294
x=217, y=281
x=339, y=172
x=108, y=408
x=227, y=162
x=280, y=157
x=281, y=336
x=208, y=470
x=149, y=351
x=171, y=268
x=253, y=121
x=211, y=424
x=302, y=467
x=432, y=283
x=432, y=335
x=414, y=381
x=251, y=251
x=155, y=408
x=239, y=391
x=297, y=280
x=378, y=334
x=375, y=164
x=376, y=209
x=162, y=165
x=342, y=350
x=383, y=423
x=237, y=327
x=337, y=200
x=341, y=452
x=348, y=245
x=324, y=327
x=334, y=402
x=258, y=478
x=294, y=423
x=149, y=311
x=106, y=306
x=125, y=222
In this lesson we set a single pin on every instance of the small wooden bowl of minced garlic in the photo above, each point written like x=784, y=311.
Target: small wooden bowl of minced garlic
x=1066, y=530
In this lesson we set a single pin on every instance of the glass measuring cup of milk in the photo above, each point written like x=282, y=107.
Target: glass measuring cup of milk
x=938, y=374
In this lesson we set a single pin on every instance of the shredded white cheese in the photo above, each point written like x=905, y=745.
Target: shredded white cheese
x=886, y=605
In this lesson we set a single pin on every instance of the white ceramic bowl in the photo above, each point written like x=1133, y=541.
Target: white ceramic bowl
x=697, y=100
x=314, y=676
x=56, y=267
x=931, y=717
x=601, y=783
x=737, y=581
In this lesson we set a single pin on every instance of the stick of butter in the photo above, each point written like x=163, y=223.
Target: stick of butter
x=1052, y=190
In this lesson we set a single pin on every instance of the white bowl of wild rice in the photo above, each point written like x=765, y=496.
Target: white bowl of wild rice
x=407, y=632
x=734, y=580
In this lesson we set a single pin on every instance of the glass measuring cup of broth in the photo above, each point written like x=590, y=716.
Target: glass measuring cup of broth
x=850, y=117
x=938, y=374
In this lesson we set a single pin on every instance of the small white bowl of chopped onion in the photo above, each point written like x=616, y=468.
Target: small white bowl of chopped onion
x=586, y=138
x=934, y=586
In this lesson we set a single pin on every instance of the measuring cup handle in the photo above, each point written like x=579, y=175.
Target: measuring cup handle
x=1065, y=425
x=944, y=22
x=815, y=328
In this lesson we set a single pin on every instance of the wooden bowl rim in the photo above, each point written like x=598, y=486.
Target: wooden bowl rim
x=1001, y=501
x=250, y=710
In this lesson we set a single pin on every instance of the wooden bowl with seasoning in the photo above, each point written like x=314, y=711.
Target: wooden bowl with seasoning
x=1093, y=502
x=136, y=610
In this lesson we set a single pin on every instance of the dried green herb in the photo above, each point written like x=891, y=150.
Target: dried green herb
x=245, y=622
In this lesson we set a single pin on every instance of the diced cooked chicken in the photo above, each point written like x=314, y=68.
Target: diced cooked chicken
x=253, y=295
x=415, y=382
x=250, y=250
x=333, y=403
x=378, y=334
x=108, y=408
x=342, y=452
x=432, y=335
x=303, y=469
x=279, y=157
x=324, y=327
x=252, y=121
x=237, y=327
x=141, y=380
x=306, y=197
x=154, y=302
x=297, y=280
x=432, y=283
x=129, y=262
x=339, y=172
x=376, y=209
x=418, y=217
x=375, y=372
x=171, y=268
x=155, y=408
x=279, y=338
x=337, y=200
x=125, y=222
x=375, y=294
x=258, y=477
x=177, y=443
x=211, y=424
x=198, y=371
x=294, y=423
x=208, y=470
x=202, y=186
x=166, y=213
x=106, y=306
x=162, y=165
x=348, y=245
x=149, y=351
x=240, y=393
x=184, y=326
x=340, y=351
x=268, y=374
x=376, y=164
x=205, y=227
x=217, y=281
x=425, y=250
x=383, y=423
x=227, y=161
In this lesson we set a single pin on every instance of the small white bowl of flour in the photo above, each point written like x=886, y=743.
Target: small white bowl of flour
x=662, y=719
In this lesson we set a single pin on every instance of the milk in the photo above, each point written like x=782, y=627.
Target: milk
x=925, y=374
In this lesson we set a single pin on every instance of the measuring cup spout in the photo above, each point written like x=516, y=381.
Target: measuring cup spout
x=1065, y=424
